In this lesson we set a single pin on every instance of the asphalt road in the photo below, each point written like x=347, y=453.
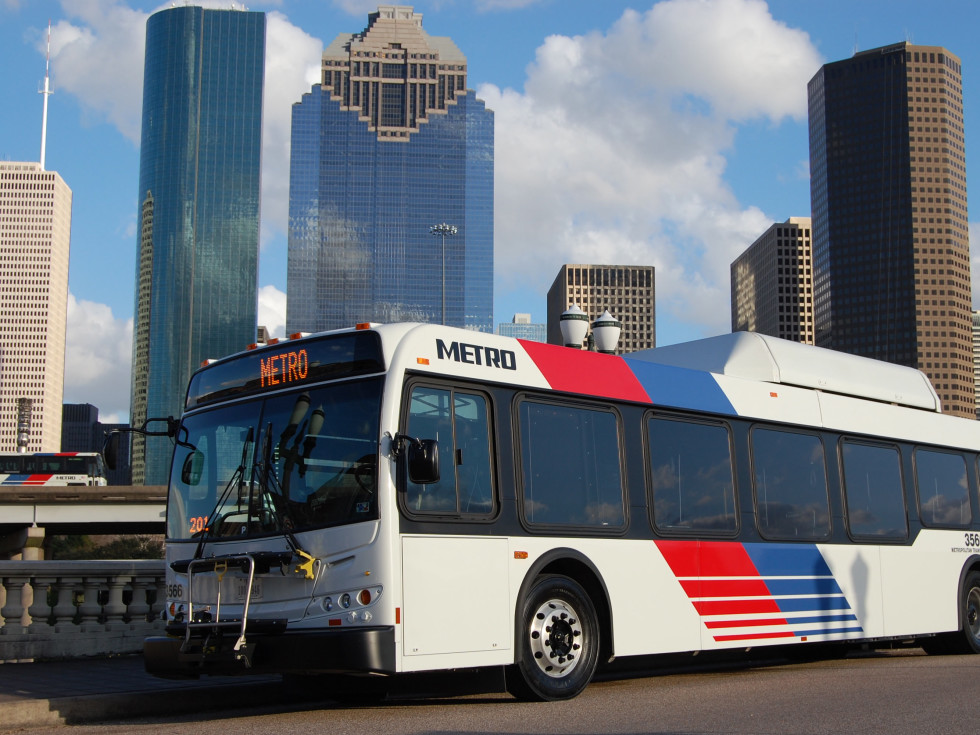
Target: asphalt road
x=893, y=693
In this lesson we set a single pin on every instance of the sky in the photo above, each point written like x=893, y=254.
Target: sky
x=668, y=133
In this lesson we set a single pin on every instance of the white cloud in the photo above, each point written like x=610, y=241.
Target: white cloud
x=98, y=358
x=615, y=150
x=292, y=66
x=272, y=310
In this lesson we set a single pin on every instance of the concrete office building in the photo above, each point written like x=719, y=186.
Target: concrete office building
x=35, y=235
x=390, y=145
x=772, y=283
x=198, y=217
x=976, y=360
x=522, y=327
x=891, y=256
x=627, y=291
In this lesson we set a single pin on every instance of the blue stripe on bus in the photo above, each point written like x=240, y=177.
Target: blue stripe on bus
x=788, y=560
x=680, y=387
x=813, y=604
x=809, y=620
x=824, y=586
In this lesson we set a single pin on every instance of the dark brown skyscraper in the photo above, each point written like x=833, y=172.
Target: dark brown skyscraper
x=890, y=238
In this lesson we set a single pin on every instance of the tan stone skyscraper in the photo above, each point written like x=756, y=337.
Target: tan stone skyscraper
x=888, y=202
x=627, y=291
x=772, y=283
x=35, y=232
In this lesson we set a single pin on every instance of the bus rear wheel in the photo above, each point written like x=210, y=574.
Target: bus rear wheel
x=967, y=640
x=557, y=641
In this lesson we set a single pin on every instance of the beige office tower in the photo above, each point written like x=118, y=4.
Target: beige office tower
x=35, y=232
x=976, y=362
x=772, y=283
x=627, y=291
x=891, y=245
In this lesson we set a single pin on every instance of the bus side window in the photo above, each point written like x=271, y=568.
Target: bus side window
x=790, y=485
x=571, y=466
x=944, y=494
x=460, y=423
x=691, y=476
x=875, y=500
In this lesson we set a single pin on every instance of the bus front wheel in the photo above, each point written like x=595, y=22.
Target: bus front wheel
x=557, y=641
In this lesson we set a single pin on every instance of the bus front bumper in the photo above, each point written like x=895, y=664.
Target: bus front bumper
x=360, y=650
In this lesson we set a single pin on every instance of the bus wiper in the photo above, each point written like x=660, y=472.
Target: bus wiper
x=236, y=478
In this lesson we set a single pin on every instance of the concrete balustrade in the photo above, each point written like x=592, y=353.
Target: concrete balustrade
x=71, y=609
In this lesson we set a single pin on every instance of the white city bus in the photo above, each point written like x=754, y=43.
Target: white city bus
x=405, y=498
x=52, y=468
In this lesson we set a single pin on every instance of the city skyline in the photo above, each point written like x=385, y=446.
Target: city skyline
x=680, y=169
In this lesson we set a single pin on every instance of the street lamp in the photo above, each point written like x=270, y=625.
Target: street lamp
x=442, y=229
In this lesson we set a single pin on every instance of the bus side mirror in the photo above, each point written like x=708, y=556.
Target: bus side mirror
x=423, y=461
x=111, y=450
x=190, y=472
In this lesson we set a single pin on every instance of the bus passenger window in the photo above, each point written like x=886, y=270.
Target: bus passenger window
x=873, y=491
x=460, y=423
x=944, y=496
x=691, y=476
x=571, y=466
x=790, y=485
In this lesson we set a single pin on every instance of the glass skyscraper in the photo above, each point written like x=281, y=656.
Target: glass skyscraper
x=197, y=266
x=891, y=253
x=389, y=145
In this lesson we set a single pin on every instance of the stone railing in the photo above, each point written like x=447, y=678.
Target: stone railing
x=69, y=609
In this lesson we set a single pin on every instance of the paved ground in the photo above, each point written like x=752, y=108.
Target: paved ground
x=50, y=693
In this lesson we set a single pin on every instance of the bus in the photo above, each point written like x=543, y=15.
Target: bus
x=401, y=498
x=53, y=468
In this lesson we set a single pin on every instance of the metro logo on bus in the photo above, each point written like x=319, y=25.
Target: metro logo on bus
x=471, y=354
x=284, y=368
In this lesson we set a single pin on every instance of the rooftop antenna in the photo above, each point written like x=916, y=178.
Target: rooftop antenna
x=46, y=92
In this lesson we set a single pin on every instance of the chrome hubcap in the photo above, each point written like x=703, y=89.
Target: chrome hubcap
x=556, y=638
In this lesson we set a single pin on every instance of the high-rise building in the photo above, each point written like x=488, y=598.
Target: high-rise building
x=197, y=267
x=81, y=431
x=772, y=283
x=522, y=327
x=391, y=185
x=976, y=360
x=627, y=291
x=35, y=234
x=891, y=256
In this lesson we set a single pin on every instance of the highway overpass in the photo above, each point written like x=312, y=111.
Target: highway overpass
x=27, y=513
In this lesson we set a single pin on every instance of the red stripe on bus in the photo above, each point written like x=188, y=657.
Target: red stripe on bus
x=754, y=636
x=727, y=588
x=721, y=559
x=757, y=622
x=736, y=607
x=585, y=373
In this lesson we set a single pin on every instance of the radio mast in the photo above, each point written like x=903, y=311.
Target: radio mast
x=46, y=92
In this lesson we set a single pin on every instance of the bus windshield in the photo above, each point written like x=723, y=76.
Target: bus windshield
x=282, y=463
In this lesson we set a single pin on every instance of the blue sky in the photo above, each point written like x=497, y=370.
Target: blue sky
x=668, y=133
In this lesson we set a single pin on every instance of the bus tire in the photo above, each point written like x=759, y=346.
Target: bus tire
x=967, y=639
x=557, y=641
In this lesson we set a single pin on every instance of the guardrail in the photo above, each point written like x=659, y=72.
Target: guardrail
x=72, y=609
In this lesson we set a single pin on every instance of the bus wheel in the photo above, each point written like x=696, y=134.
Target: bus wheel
x=971, y=612
x=557, y=641
x=967, y=640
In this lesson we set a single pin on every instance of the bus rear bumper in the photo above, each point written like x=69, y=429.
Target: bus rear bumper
x=362, y=650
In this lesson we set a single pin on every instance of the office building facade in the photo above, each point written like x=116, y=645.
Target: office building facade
x=390, y=145
x=772, y=283
x=975, y=321
x=35, y=236
x=521, y=327
x=888, y=193
x=627, y=291
x=197, y=265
